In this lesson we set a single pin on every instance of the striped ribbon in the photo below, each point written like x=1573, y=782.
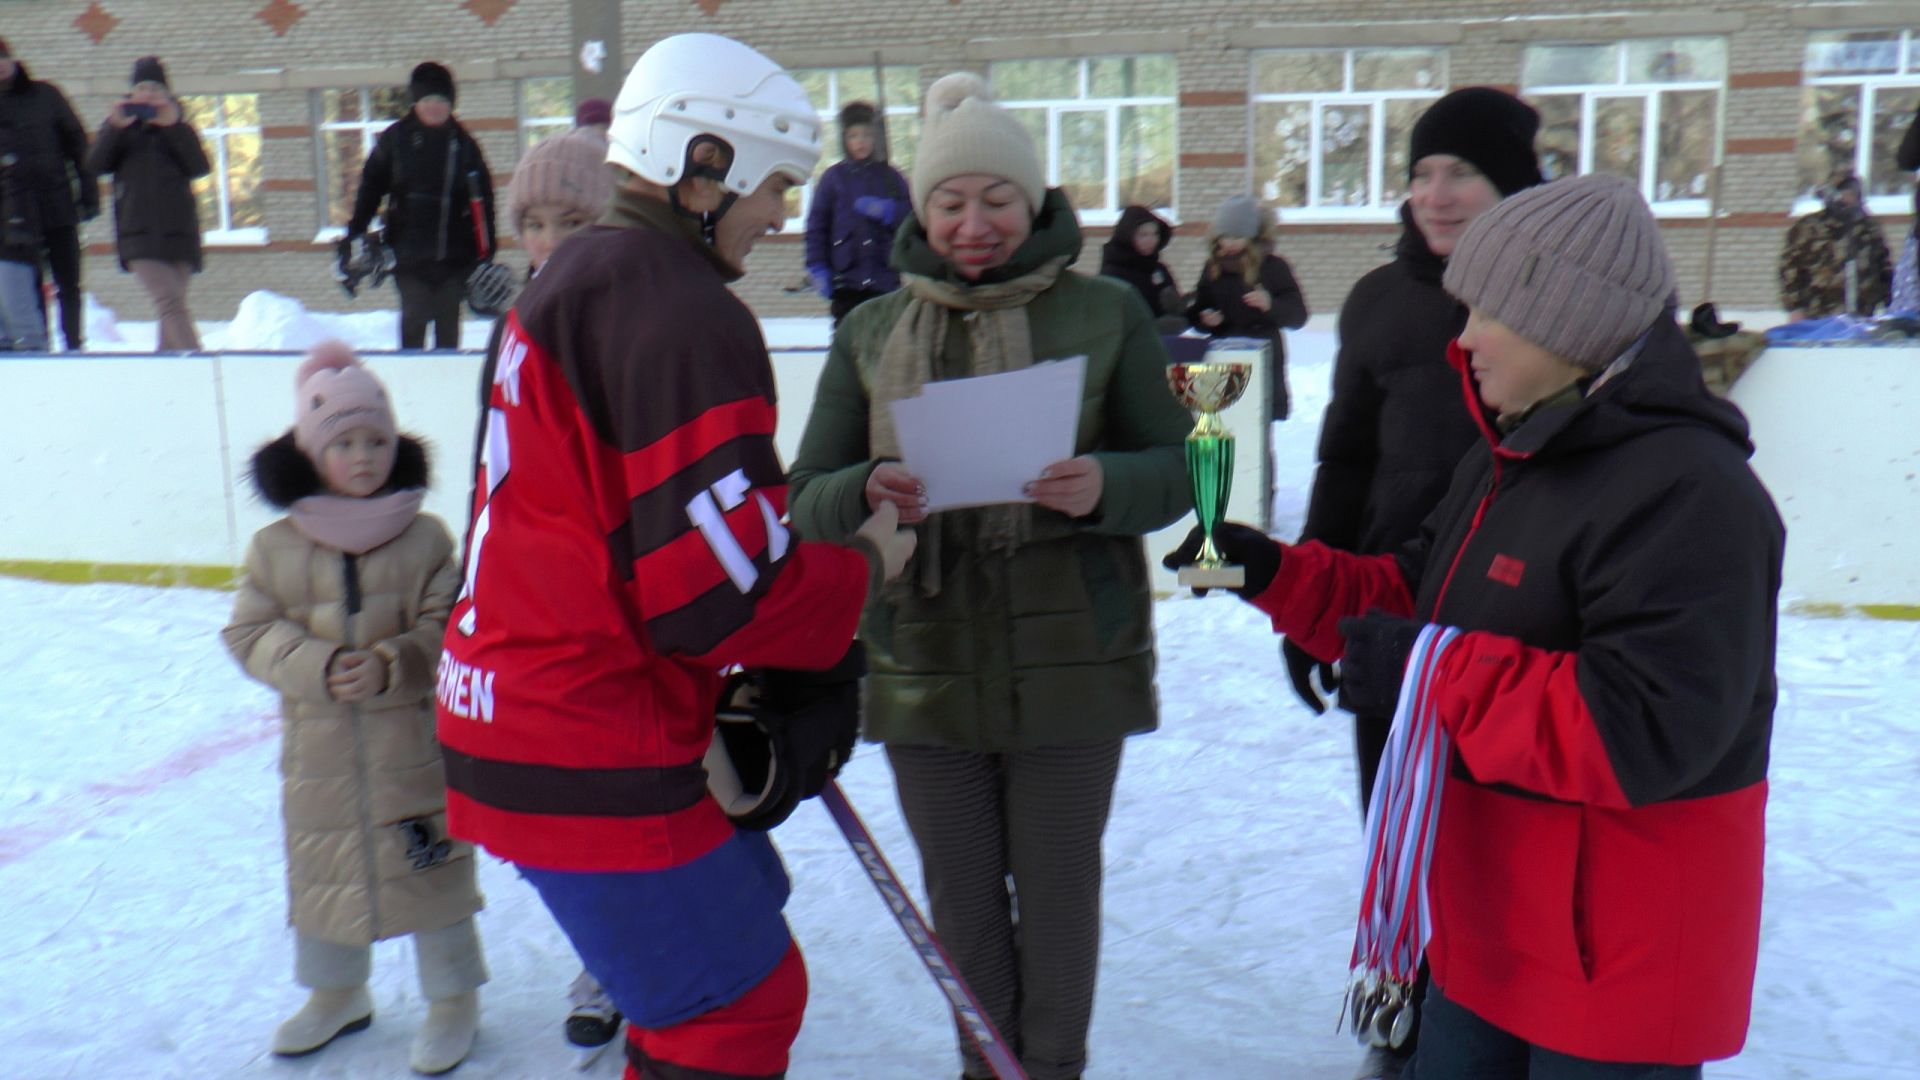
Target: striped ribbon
x=1395, y=921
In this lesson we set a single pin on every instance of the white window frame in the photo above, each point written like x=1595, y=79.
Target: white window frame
x=1111, y=106
x=1317, y=102
x=829, y=138
x=1649, y=94
x=1868, y=85
x=215, y=136
x=369, y=132
x=529, y=123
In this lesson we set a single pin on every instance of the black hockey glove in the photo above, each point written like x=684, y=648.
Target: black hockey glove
x=346, y=269
x=491, y=289
x=1300, y=669
x=1241, y=545
x=781, y=736
x=1378, y=645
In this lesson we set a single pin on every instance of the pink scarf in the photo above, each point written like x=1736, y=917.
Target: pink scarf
x=356, y=526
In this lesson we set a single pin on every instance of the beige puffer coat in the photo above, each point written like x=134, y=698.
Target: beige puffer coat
x=363, y=789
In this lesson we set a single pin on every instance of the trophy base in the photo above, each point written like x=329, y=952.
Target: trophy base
x=1213, y=577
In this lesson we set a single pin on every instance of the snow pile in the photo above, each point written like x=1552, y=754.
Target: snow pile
x=270, y=322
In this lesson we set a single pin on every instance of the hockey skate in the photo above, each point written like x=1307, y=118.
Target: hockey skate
x=594, y=1022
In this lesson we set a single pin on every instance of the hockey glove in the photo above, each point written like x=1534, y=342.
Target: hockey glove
x=1375, y=662
x=781, y=735
x=491, y=289
x=346, y=269
x=1242, y=545
x=822, y=281
x=1300, y=669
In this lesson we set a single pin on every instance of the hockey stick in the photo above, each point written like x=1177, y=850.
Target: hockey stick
x=965, y=1006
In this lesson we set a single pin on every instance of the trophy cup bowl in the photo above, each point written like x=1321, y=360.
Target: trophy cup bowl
x=1206, y=388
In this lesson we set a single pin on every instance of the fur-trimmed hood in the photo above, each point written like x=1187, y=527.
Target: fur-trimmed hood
x=283, y=475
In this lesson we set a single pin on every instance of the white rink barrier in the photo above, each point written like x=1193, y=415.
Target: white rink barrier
x=1836, y=443
x=134, y=468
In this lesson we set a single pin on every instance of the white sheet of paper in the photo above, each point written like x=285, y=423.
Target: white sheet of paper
x=979, y=441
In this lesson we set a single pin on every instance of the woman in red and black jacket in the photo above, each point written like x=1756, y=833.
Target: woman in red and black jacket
x=1613, y=565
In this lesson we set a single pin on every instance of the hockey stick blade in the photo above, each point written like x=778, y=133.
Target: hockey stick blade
x=939, y=965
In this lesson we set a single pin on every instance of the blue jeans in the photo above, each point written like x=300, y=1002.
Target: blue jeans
x=1455, y=1044
x=23, y=325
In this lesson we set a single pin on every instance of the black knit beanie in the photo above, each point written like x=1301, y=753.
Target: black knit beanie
x=1490, y=129
x=430, y=79
x=856, y=114
x=148, y=69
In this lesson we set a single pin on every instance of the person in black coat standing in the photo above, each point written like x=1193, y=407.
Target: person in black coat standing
x=50, y=147
x=1248, y=291
x=439, y=208
x=1132, y=254
x=154, y=156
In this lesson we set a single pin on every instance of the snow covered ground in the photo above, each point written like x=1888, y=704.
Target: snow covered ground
x=142, y=915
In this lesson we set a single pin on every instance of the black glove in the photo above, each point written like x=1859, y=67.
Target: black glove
x=1300, y=667
x=345, y=270
x=1241, y=545
x=491, y=289
x=1378, y=645
x=781, y=736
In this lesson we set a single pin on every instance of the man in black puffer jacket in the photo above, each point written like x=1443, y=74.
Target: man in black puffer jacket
x=430, y=173
x=51, y=150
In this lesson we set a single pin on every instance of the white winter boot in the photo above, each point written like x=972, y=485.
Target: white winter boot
x=327, y=1015
x=447, y=1036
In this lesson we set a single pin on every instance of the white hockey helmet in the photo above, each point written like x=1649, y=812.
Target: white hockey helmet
x=690, y=85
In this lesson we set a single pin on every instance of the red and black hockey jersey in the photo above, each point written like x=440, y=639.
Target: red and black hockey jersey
x=627, y=545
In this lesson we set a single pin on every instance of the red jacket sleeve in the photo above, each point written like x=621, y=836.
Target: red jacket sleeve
x=1318, y=586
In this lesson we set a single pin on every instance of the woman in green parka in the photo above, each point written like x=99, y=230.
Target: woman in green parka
x=1015, y=655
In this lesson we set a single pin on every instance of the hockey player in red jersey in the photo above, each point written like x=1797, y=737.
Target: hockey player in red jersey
x=628, y=545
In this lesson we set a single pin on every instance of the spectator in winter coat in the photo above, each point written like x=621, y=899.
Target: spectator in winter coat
x=1132, y=254
x=1248, y=291
x=1612, y=566
x=1394, y=429
x=1836, y=260
x=154, y=161
x=628, y=546
x=50, y=148
x=341, y=611
x=856, y=208
x=439, y=208
x=1015, y=657
x=23, y=322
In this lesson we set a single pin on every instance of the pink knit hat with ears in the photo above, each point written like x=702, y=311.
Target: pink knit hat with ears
x=336, y=394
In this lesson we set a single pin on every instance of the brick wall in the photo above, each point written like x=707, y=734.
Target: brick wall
x=285, y=50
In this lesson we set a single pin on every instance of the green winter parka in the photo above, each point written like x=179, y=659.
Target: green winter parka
x=1053, y=643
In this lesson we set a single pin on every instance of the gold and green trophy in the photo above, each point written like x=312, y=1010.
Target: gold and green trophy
x=1206, y=388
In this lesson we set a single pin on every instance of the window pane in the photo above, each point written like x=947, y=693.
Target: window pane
x=201, y=110
x=243, y=181
x=340, y=106
x=546, y=98
x=206, y=203
x=1893, y=109
x=1559, y=140
x=1857, y=52
x=903, y=135
x=243, y=110
x=343, y=160
x=903, y=87
x=389, y=102
x=1619, y=125
x=1344, y=134
x=1398, y=69
x=1282, y=144
x=1083, y=158
x=1570, y=65
x=856, y=84
x=532, y=134
x=1829, y=132
x=1401, y=114
x=1687, y=133
x=1147, y=155
x=1035, y=121
x=1677, y=60
x=1130, y=76
x=1036, y=80
x=814, y=82
x=1299, y=72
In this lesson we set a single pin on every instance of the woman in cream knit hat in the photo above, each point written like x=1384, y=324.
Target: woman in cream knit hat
x=1015, y=655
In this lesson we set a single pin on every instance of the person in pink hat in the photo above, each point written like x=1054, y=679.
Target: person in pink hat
x=341, y=610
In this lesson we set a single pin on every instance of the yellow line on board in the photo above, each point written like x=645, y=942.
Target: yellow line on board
x=86, y=573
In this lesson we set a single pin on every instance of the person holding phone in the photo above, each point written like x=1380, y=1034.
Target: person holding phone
x=154, y=156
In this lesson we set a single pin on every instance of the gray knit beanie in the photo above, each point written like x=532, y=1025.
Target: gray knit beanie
x=1575, y=266
x=1239, y=216
x=965, y=133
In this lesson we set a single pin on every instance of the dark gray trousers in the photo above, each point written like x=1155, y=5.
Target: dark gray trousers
x=1010, y=851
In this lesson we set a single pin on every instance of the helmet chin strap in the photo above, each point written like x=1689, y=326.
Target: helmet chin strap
x=709, y=220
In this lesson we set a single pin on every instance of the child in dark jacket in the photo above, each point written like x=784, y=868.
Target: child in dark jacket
x=1132, y=254
x=1247, y=291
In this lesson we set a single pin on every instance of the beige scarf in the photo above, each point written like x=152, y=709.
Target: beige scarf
x=999, y=339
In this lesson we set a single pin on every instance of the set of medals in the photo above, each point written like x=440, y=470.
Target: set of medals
x=1379, y=1010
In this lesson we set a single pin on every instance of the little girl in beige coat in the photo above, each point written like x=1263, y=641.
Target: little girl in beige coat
x=341, y=610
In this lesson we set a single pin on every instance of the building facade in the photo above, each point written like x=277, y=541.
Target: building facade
x=1174, y=103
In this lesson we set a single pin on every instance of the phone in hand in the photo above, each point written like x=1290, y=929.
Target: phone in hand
x=139, y=110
